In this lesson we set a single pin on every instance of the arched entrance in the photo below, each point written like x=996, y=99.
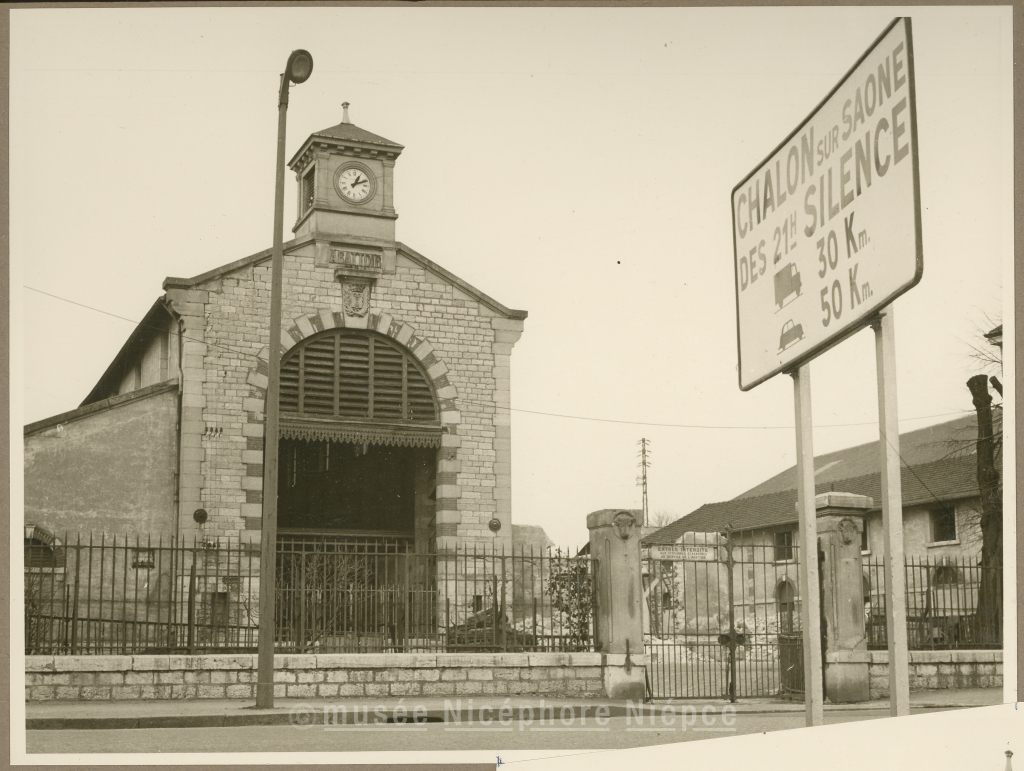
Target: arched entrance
x=46, y=592
x=360, y=428
x=791, y=648
x=785, y=600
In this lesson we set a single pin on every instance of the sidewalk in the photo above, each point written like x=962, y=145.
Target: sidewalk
x=222, y=713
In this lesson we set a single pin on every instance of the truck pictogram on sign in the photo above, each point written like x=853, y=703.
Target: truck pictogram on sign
x=787, y=285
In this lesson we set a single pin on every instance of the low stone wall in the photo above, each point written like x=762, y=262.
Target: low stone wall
x=939, y=669
x=580, y=675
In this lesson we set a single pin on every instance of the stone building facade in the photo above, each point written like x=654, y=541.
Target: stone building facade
x=416, y=409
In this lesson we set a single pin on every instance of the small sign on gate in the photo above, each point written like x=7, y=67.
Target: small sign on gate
x=685, y=553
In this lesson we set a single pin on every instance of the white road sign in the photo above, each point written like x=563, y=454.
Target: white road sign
x=827, y=230
x=685, y=553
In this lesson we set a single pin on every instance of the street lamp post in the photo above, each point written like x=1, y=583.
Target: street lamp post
x=298, y=70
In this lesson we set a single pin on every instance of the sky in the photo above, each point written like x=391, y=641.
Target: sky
x=575, y=163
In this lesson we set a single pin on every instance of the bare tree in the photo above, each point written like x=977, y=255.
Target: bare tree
x=986, y=524
x=662, y=517
x=986, y=349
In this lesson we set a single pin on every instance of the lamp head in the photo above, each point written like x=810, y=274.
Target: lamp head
x=300, y=66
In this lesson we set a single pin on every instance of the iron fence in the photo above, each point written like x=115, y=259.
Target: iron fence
x=951, y=603
x=729, y=623
x=334, y=594
x=715, y=626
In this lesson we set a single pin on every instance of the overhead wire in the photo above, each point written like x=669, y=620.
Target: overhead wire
x=909, y=467
x=590, y=418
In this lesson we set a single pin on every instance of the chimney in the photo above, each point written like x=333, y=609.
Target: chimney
x=344, y=115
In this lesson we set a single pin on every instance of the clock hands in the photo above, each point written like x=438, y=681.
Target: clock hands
x=354, y=184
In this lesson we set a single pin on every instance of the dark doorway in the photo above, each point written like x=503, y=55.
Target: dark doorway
x=345, y=487
x=785, y=598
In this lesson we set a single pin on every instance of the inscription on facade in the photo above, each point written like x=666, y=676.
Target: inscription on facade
x=350, y=259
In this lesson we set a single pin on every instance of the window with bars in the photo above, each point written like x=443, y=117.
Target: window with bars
x=783, y=545
x=42, y=550
x=354, y=374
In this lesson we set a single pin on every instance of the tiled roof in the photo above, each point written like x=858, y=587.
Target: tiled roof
x=944, y=480
x=352, y=133
x=926, y=445
x=940, y=465
x=147, y=329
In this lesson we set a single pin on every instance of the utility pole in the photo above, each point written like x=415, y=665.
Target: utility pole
x=297, y=70
x=645, y=462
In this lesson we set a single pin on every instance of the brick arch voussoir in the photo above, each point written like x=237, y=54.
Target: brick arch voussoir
x=420, y=346
x=401, y=332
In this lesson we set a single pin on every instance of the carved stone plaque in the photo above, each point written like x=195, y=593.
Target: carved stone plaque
x=624, y=525
x=355, y=298
x=847, y=531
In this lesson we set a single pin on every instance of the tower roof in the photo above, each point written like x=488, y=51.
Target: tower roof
x=350, y=132
x=347, y=133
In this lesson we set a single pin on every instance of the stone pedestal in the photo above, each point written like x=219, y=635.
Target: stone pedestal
x=618, y=617
x=840, y=519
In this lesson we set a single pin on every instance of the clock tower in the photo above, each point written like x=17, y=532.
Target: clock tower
x=345, y=179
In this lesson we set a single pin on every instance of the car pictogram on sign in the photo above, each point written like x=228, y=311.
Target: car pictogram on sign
x=791, y=333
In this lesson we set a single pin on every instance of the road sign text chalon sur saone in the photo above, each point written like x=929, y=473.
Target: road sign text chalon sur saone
x=827, y=230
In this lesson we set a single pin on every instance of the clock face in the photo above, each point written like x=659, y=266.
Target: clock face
x=355, y=184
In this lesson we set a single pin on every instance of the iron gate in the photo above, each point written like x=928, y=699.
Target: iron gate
x=719, y=611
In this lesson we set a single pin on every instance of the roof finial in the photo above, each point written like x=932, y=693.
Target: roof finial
x=344, y=115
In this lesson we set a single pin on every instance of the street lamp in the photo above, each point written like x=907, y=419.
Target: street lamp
x=298, y=70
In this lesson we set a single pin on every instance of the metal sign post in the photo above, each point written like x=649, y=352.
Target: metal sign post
x=892, y=516
x=810, y=601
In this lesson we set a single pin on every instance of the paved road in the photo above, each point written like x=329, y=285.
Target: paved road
x=434, y=736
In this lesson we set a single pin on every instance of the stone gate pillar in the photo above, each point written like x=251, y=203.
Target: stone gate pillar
x=840, y=524
x=618, y=618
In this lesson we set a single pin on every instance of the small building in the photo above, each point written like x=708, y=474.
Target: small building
x=941, y=501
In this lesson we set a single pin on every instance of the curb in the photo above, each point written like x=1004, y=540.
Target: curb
x=316, y=716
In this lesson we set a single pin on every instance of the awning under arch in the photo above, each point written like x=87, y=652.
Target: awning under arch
x=359, y=432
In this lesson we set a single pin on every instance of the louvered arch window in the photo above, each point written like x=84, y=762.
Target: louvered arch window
x=354, y=374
